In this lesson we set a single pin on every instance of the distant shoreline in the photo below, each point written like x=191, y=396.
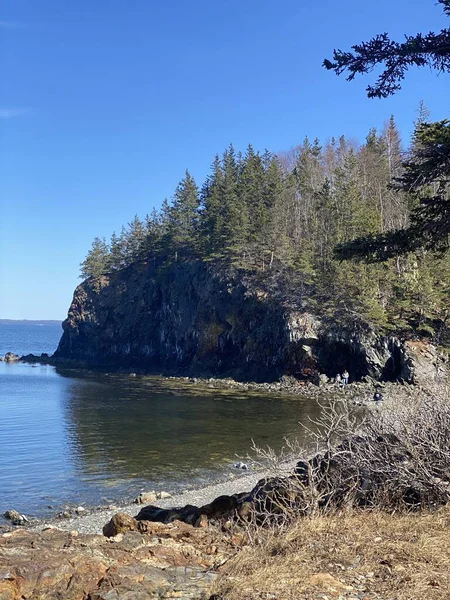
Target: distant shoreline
x=30, y=321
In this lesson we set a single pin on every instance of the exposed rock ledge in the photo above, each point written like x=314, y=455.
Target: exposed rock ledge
x=192, y=318
x=171, y=561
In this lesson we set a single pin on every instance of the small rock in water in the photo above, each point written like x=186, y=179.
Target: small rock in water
x=10, y=357
x=15, y=517
x=80, y=510
x=163, y=495
x=241, y=465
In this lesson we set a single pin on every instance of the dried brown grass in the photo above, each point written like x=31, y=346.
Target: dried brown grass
x=352, y=555
x=338, y=551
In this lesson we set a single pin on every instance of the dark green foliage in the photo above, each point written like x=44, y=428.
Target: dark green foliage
x=183, y=215
x=426, y=177
x=96, y=262
x=211, y=223
x=426, y=174
x=432, y=49
x=282, y=216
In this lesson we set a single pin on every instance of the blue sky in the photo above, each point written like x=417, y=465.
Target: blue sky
x=103, y=105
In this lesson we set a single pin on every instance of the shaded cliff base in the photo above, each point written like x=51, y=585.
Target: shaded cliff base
x=377, y=360
x=319, y=386
x=195, y=319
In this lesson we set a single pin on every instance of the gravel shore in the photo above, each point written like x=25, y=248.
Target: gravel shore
x=93, y=521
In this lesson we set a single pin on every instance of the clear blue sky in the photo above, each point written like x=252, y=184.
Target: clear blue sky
x=105, y=103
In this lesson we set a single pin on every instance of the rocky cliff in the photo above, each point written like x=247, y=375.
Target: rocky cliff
x=197, y=318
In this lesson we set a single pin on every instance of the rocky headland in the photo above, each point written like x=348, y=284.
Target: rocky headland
x=218, y=329
x=200, y=319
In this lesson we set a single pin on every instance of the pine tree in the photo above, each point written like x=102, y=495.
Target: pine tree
x=250, y=193
x=211, y=212
x=153, y=234
x=184, y=215
x=118, y=251
x=432, y=49
x=135, y=239
x=234, y=211
x=96, y=262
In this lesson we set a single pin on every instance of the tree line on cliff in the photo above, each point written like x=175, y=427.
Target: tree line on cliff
x=308, y=211
x=302, y=212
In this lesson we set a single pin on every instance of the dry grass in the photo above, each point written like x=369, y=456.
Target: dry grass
x=354, y=555
x=320, y=544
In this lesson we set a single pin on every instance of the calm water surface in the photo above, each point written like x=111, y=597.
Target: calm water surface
x=76, y=437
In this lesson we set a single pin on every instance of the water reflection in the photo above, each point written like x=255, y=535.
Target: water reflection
x=132, y=428
x=109, y=435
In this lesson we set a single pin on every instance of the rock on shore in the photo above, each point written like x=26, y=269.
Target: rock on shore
x=162, y=561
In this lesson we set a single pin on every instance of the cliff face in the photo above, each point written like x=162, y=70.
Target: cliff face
x=188, y=317
x=194, y=318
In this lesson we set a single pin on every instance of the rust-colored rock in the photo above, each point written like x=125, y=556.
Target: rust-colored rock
x=157, y=562
x=202, y=521
x=120, y=523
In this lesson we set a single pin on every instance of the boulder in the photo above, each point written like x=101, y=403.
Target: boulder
x=15, y=517
x=202, y=521
x=120, y=523
x=420, y=363
x=187, y=514
x=221, y=507
x=146, y=498
x=321, y=379
x=273, y=496
x=163, y=495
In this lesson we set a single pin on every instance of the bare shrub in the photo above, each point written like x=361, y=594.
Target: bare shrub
x=395, y=458
x=390, y=460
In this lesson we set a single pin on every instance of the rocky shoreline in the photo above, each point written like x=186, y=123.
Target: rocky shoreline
x=182, y=547
x=287, y=384
x=93, y=520
x=90, y=520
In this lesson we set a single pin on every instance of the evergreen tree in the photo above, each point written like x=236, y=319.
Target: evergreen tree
x=272, y=220
x=250, y=193
x=427, y=173
x=426, y=176
x=184, y=214
x=118, y=251
x=432, y=49
x=153, y=233
x=234, y=211
x=211, y=212
x=135, y=239
x=96, y=262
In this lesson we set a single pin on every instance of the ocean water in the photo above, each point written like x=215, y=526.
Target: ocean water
x=71, y=437
x=29, y=337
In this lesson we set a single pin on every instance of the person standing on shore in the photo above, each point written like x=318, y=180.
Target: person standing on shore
x=345, y=377
x=338, y=379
